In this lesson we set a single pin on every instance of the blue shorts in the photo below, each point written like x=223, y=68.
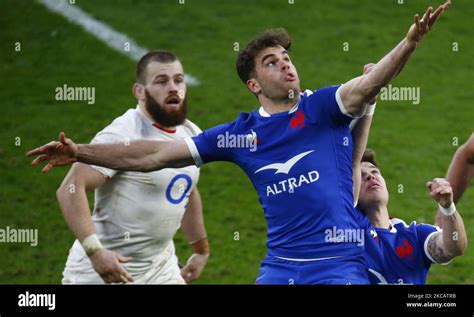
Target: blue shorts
x=343, y=270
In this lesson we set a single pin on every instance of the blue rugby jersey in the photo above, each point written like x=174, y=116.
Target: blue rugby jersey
x=398, y=255
x=300, y=163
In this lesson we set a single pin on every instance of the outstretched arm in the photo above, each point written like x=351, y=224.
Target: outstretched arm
x=357, y=92
x=143, y=156
x=452, y=242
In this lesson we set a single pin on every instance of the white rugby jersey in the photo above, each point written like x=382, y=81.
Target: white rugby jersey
x=137, y=214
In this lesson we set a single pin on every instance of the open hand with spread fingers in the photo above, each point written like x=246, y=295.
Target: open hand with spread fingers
x=56, y=153
x=421, y=27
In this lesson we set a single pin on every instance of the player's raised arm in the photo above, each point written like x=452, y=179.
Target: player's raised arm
x=356, y=93
x=452, y=242
x=360, y=129
x=143, y=156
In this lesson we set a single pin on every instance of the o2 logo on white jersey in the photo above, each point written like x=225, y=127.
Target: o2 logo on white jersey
x=183, y=189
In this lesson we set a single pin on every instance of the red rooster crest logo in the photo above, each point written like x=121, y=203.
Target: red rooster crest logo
x=297, y=120
x=405, y=251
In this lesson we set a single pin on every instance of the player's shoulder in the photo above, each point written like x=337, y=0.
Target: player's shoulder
x=414, y=227
x=318, y=92
x=243, y=122
x=306, y=93
x=400, y=223
x=128, y=125
x=313, y=99
x=245, y=117
x=190, y=128
x=401, y=228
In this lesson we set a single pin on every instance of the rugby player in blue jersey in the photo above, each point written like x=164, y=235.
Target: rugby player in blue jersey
x=398, y=253
x=296, y=149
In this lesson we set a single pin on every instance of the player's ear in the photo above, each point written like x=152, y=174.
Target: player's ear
x=139, y=91
x=253, y=86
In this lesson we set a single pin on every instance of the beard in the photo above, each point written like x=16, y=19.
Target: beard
x=163, y=116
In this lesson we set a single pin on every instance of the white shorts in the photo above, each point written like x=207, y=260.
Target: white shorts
x=164, y=269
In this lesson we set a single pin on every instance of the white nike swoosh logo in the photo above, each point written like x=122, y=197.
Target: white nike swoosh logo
x=284, y=168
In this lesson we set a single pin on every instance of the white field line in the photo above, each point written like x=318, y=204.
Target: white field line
x=114, y=39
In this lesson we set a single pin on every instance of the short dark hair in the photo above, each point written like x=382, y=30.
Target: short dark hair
x=245, y=62
x=153, y=56
x=369, y=156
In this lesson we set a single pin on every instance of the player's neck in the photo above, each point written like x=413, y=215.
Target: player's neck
x=277, y=106
x=378, y=216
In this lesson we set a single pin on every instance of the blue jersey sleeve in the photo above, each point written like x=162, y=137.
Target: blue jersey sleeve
x=326, y=104
x=424, y=232
x=208, y=146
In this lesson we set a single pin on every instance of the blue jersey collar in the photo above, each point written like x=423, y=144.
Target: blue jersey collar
x=263, y=113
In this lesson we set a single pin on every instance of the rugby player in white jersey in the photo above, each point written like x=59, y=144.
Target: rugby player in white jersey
x=129, y=237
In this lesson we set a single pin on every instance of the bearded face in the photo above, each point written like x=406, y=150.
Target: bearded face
x=164, y=93
x=172, y=112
